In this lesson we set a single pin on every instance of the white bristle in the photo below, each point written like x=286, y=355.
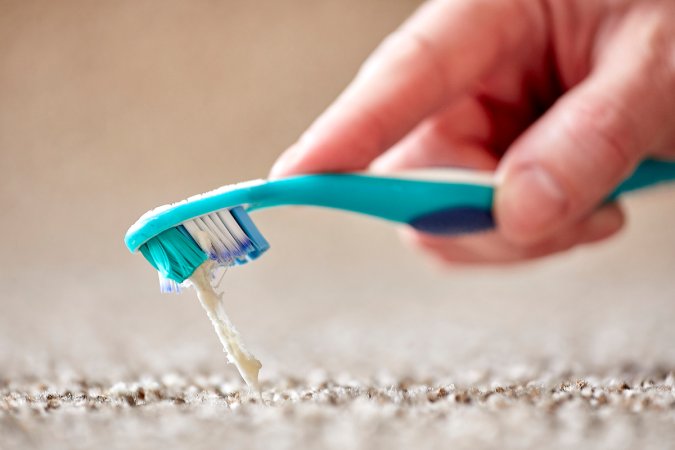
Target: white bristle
x=167, y=286
x=221, y=233
x=206, y=244
x=192, y=229
x=223, y=246
x=226, y=242
x=234, y=228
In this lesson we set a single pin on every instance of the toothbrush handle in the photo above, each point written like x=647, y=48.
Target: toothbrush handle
x=650, y=173
x=429, y=206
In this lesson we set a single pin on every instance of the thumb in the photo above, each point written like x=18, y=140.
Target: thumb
x=563, y=167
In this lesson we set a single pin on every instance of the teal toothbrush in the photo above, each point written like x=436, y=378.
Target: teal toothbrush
x=178, y=238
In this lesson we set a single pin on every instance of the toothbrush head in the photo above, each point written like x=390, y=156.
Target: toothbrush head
x=228, y=237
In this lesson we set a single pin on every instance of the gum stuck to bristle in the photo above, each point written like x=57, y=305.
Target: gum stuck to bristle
x=221, y=237
x=228, y=237
x=168, y=286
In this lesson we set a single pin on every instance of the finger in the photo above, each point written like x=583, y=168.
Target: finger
x=495, y=249
x=453, y=137
x=434, y=57
x=426, y=150
x=577, y=153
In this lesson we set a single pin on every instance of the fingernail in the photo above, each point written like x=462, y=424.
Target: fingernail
x=530, y=203
x=382, y=164
x=282, y=165
x=604, y=223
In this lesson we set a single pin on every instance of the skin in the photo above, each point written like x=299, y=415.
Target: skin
x=562, y=98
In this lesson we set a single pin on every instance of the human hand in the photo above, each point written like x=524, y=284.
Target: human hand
x=562, y=98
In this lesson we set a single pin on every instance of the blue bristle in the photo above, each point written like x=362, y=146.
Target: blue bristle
x=258, y=242
x=176, y=252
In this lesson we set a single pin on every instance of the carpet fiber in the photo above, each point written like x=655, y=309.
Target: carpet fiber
x=204, y=412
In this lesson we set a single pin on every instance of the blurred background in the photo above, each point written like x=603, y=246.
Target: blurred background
x=108, y=109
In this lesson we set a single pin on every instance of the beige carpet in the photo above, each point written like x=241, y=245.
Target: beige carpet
x=108, y=109
x=205, y=412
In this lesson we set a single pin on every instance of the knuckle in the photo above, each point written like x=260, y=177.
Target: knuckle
x=424, y=51
x=404, y=49
x=605, y=132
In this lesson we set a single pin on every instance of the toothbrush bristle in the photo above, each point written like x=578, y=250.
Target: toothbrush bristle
x=174, y=253
x=228, y=237
x=168, y=286
x=221, y=236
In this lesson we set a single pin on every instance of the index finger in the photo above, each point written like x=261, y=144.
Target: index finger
x=437, y=54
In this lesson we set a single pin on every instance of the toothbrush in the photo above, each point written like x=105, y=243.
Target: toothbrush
x=178, y=238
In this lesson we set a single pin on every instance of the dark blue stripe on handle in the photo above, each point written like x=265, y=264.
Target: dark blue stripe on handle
x=454, y=221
